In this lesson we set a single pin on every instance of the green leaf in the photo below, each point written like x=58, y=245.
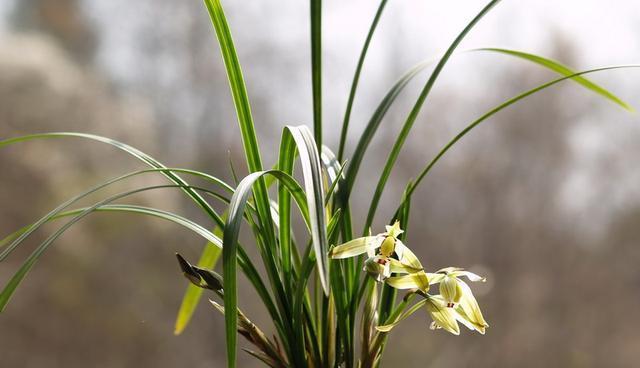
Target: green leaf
x=252, y=153
x=564, y=70
x=316, y=68
x=131, y=151
x=333, y=172
x=236, y=83
x=356, y=79
x=15, y=280
x=408, y=124
x=230, y=239
x=312, y=173
x=410, y=311
x=495, y=110
x=19, y=239
x=374, y=124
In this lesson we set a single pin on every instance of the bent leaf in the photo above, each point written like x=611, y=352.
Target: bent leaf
x=564, y=70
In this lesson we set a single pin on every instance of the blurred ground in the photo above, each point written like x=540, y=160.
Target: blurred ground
x=544, y=199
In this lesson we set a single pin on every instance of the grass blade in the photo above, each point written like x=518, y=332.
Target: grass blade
x=312, y=173
x=356, y=79
x=374, y=123
x=564, y=70
x=230, y=239
x=397, y=146
x=13, y=283
x=236, y=84
x=495, y=110
x=16, y=242
x=133, y=152
x=243, y=112
x=316, y=68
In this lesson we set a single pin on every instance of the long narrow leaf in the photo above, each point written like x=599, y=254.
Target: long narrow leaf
x=356, y=79
x=373, y=124
x=316, y=68
x=312, y=173
x=495, y=110
x=131, y=151
x=564, y=70
x=243, y=108
x=96, y=188
x=408, y=124
x=13, y=283
x=230, y=239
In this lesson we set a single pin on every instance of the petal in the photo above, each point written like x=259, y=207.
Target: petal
x=394, y=230
x=442, y=316
x=448, y=270
x=401, y=267
x=435, y=278
x=378, y=267
x=388, y=246
x=470, y=275
x=386, y=269
x=406, y=256
x=463, y=318
x=450, y=289
x=355, y=247
x=418, y=280
x=470, y=306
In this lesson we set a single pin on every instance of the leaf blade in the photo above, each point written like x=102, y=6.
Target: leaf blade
x=411, y=118
x=564, y=70
x=495, y=110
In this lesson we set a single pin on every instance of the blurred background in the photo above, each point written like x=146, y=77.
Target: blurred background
x=544, y=199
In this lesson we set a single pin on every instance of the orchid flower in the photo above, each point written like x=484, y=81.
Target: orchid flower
x=387, y=254
x=443, y=316
x=457, y=294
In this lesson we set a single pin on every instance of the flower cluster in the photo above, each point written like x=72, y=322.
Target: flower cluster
x=392, y=262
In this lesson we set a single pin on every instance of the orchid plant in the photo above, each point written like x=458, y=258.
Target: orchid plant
x=317, y=296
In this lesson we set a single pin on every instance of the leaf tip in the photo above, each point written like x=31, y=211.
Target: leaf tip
x=178, y=330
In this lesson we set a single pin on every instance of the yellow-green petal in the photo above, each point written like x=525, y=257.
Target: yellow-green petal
x=470, y=306
x=448, y=270
x=406, y=256
x=450, y=289
x=463, y=318
x=401, y=267
x=442, y=316
x=435, y=278
x=418, y=280
x=388, y=245
x=394, y=230
x=355, y=247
